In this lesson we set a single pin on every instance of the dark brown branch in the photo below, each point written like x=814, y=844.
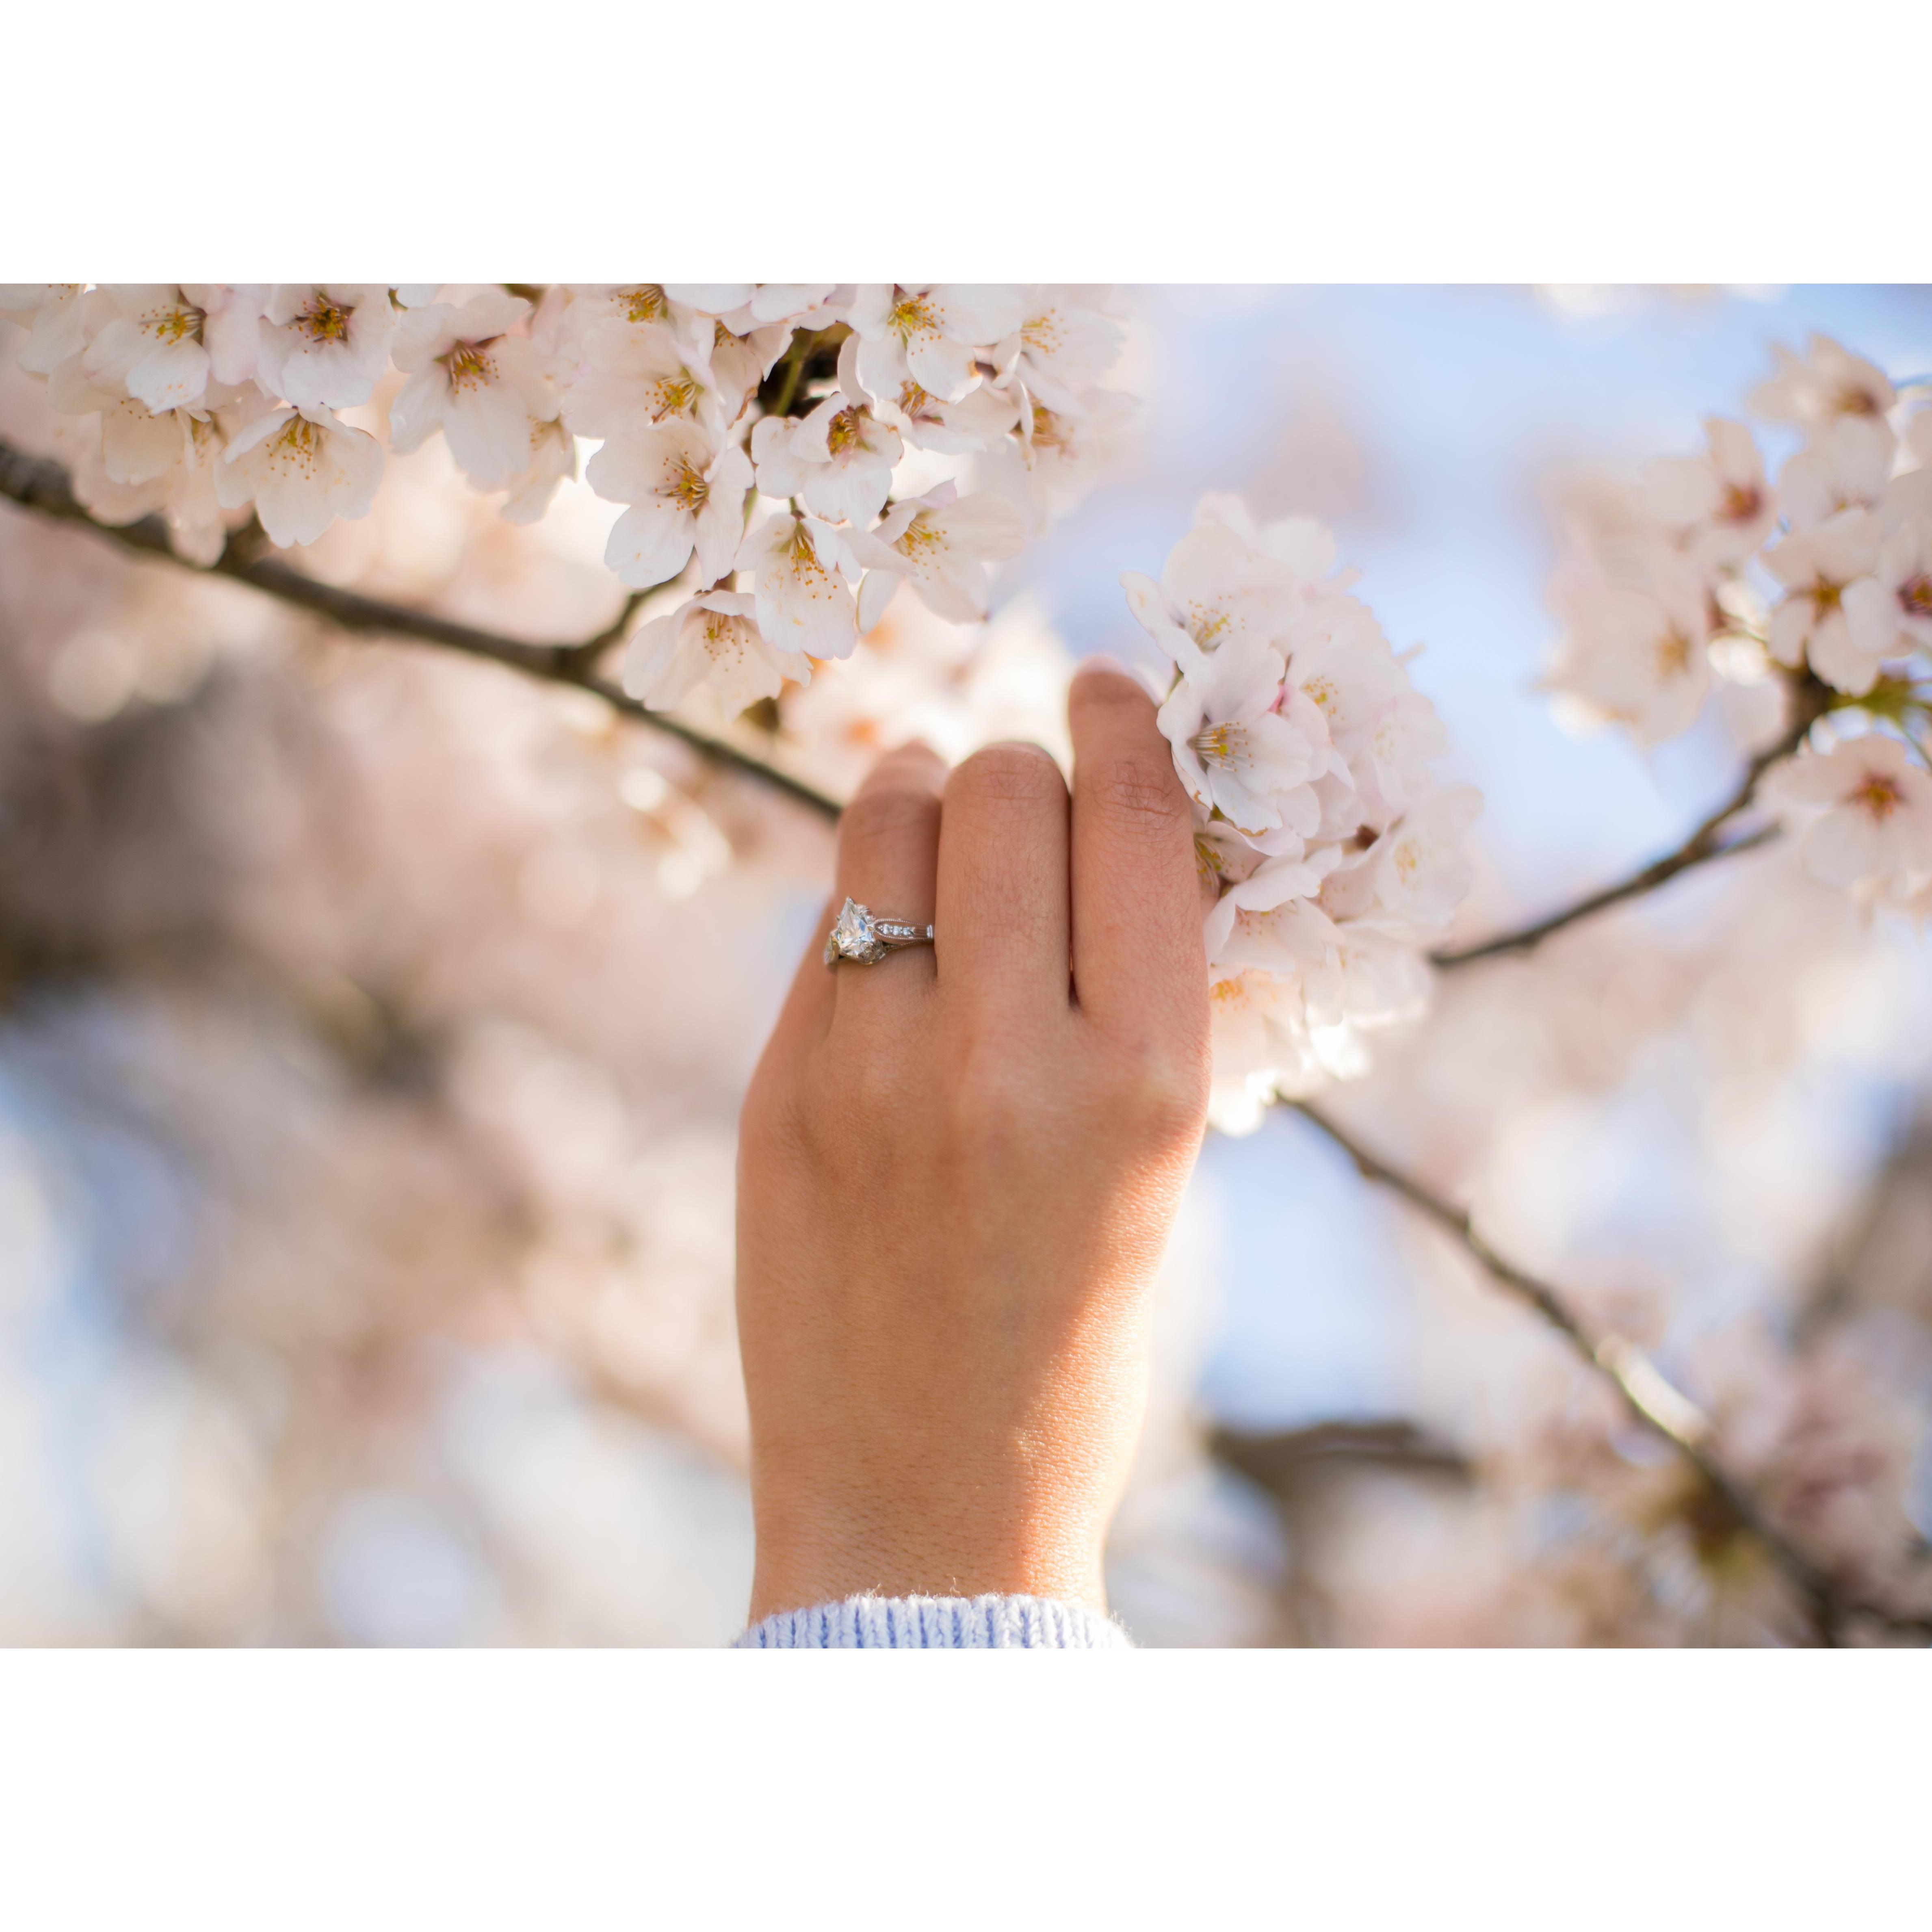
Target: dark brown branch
x=1705, y=844
x=36, y=483
x=1650, y=1397
x=1284, y=1461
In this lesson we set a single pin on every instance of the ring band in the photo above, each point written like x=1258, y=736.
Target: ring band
x=865, y=938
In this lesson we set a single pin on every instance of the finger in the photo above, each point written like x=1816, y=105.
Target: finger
x=1138, y=954
x=1003, y=914
x=806, y=1014
x=888, y=854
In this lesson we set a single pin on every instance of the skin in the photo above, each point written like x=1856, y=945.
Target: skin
x=958, y=1169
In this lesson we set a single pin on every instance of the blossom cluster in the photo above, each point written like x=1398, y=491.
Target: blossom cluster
x=825, y=442
x=1329, y=855
x=1704, y=571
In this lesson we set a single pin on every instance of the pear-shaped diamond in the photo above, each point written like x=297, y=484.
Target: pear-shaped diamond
x=855, y=936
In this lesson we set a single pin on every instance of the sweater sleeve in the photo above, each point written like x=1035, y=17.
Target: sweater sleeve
x=938, y=1623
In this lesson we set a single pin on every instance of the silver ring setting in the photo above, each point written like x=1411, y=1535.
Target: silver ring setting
x=865, y=938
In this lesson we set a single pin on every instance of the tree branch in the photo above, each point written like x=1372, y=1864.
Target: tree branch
x=36, y=483
x=1649, y=1396
x=1705, y=844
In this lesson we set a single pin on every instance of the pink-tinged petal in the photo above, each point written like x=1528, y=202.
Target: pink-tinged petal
x=713, y=298
x=875, y=595
x=1811, y=779
x=719, y=526
x=1680, y=490
x=849, y=495
x=882, y=367
x=849, y=380
x=781, y=471
x=732, y=470
x=360, y=458
x=1843, y=847
x=171, y=375
x=136, y=445
x=958, y=595
x=631, y=469
x=940, y=366
x=979, y=312
x=1790, y=624
x=649, y=655
x=1833, y=654
x=74, y=394
x=1872, y=613
x=989, y=525
x=776, y=300
x=116, y=349
x=488, y=431
x=649, y=544
x=418, y=412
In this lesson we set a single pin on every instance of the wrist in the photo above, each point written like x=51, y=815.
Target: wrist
x=827, y=1556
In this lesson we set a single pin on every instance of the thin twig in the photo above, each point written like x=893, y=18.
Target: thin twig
x=1705, y=845
x=1646, y=1392
x=36, y=483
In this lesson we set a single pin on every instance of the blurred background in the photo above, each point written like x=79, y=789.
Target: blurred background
x=373, y=1025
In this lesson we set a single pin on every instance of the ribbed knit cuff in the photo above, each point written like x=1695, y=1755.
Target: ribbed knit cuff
x=938, y=1623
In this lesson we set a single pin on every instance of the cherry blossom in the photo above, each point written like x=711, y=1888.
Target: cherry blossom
x=1065, y=343
x=1235, y=753
x=1718, y=506
x=941, y=544
x=1635, y=652
x=977, y=422
x=325, y=344
x=930, y=332
x=799, y=566
x=1217, y=588
x=685, y=495
x=1866, y=809
x=301, y=468
x=839, y=458
x=1844, y=467
x=635, y=373
x=481, y=386
x=1422, y=873
x=714, y=639
x=147, y=344
x=1326, y=852
x=53, y=314
x=553, y=460
x=1890, y=611
x=1262, y=1048
x=1269, y=919
x=672, y=378
x=1817, y=567
x=1827, y=386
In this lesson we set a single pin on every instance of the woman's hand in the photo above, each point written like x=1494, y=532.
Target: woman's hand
x=958, y=1169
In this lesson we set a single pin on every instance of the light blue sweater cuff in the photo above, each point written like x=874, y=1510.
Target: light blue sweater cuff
x=938, y=1623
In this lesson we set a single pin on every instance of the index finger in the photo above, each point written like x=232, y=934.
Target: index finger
x=1138, y=959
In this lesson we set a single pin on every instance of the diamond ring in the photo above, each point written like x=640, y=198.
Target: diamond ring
x=865, y=939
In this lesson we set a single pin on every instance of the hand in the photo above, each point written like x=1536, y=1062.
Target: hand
x=958, y=1169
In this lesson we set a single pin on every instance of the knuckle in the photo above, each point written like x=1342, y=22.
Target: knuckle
x=990, y=1099
x=1158, y=1085
x=875, y=1080
x=1022, y=776
x=1139, y=792
x=887, y=815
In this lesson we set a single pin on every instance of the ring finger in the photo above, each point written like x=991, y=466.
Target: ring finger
x=888, y=858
